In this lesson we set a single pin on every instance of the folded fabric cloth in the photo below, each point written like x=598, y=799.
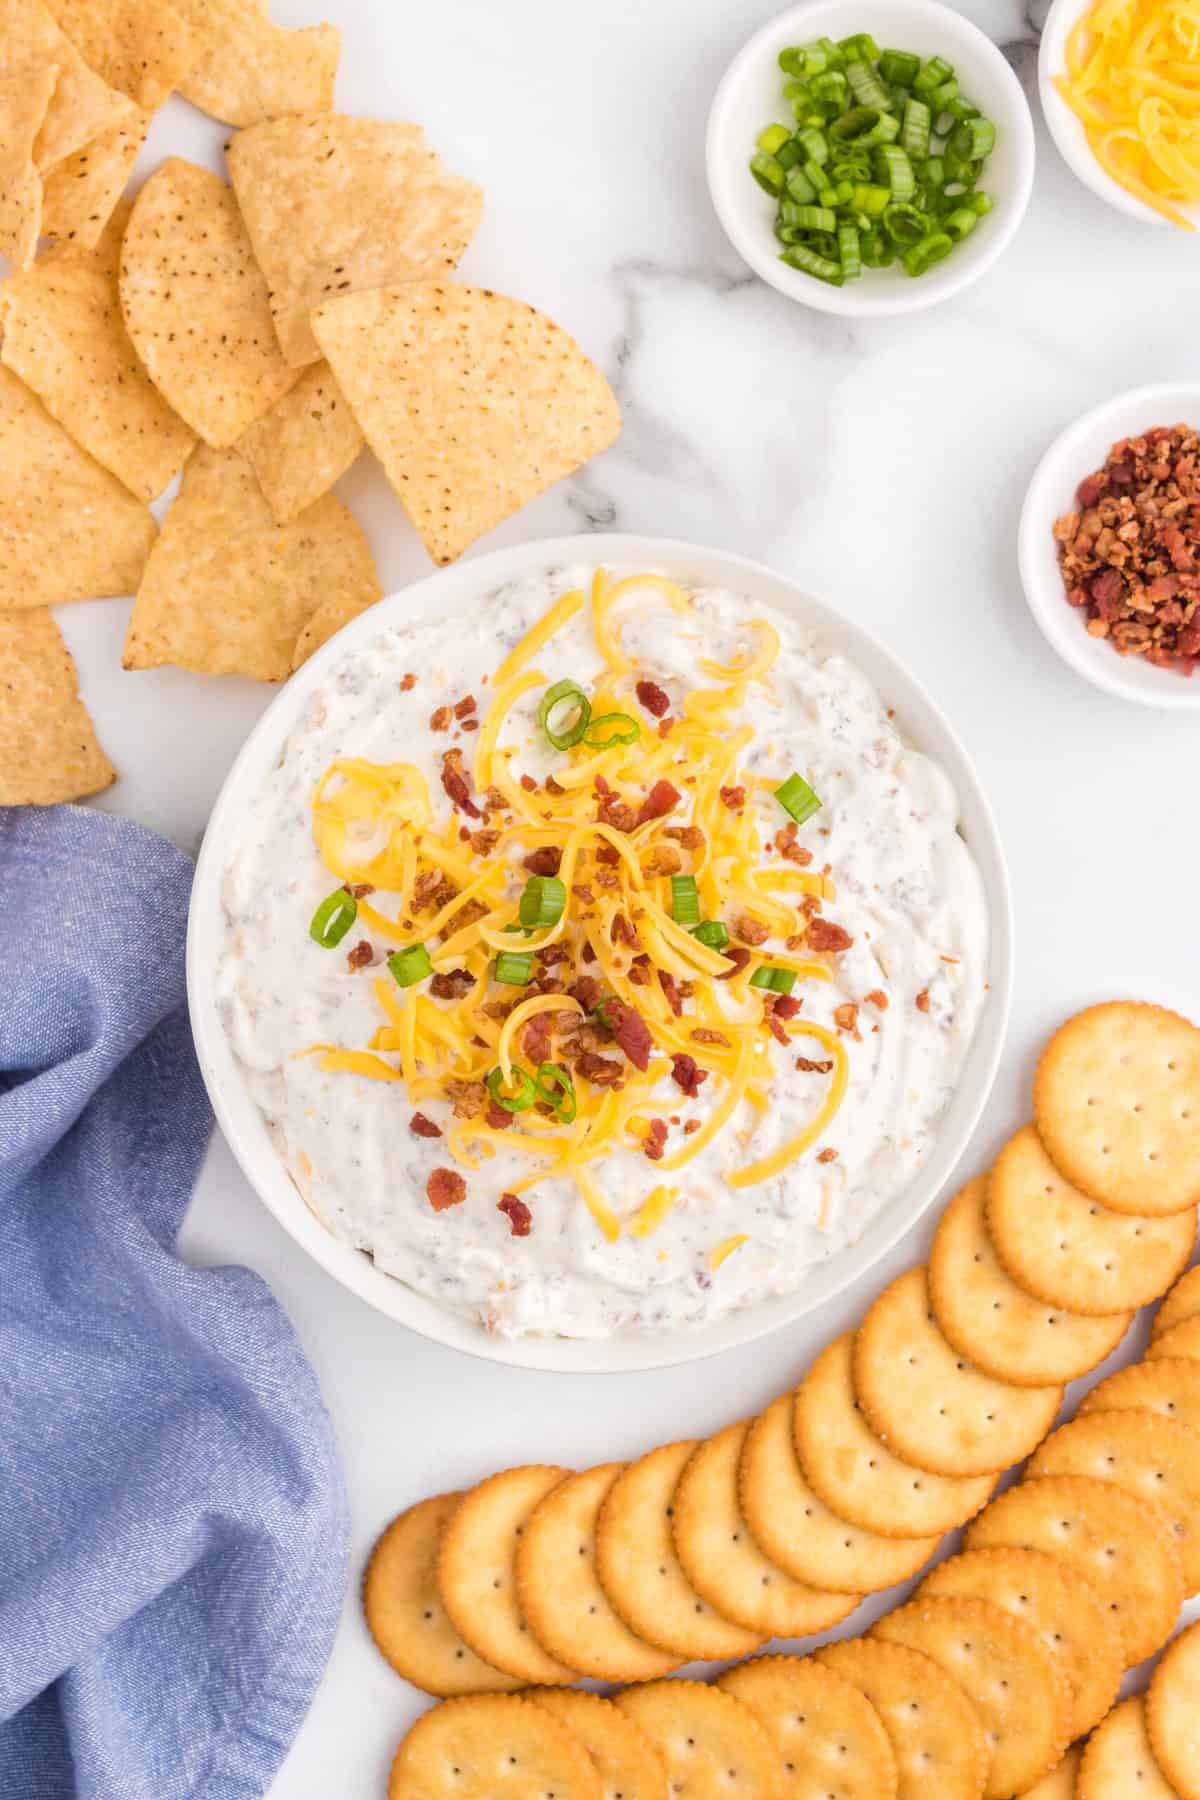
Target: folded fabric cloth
x=173, y=1527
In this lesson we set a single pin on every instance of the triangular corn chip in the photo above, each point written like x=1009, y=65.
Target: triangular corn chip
x=195, y=304
x=255, y=69
x=24, y=97
x=473, y=403
x=68, y=529
x=227, y=590
x=143, y=48
x=328, y=618
x=48, y=746
x=82, y=190
x=304, y=444
x=81, y=104
x=333, y=204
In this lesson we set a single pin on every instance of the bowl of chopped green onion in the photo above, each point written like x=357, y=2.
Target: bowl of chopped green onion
x=870, y=159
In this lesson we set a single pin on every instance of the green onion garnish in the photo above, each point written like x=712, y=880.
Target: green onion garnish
x=932, y=75
x=861, y=46
x=514, y=968
x=904, y=224
x=543, y=901
x=769, y=175
x=524, y=1097
x=772, y=140
x=899, y=67
x=927, y=251
x=572, y=696
x=774, y=979
x=612, y=728
x=712, y=934
x=895, y=171
x=797, y=798
x=866, y=86
x=973, y=139
x=961, y=222
x=410, y=965
x=799, y=256
x=555, y=1088
x=685, y=900
x=914, y=137
x=333, y=919
x=849, y=250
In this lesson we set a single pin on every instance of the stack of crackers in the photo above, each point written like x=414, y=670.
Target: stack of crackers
x=1008, y=1653
x=254, y=335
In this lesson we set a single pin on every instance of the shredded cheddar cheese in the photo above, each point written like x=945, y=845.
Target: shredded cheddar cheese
x=724, y=1251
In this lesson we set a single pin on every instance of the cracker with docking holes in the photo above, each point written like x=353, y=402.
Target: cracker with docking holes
x=713, y=1746
x=797, y=1531
x=559, y=1590
x=641, y=1574
x=937, y=1736
x=629, y=1766
x=1169, y=1385
x=476, y=1574
x=1121, y=1544
x=1182, y=1302
x=1144, y=1453
x=1059, y=1784
x=404, y=1609
x=1058, y=1604
x=1173, y=1713
x=1118, y=1759
x=1116, y=1097
x=989, y=1319
x=1070, y=1250
x=722, y=1561
x=832, y=1740
x=491, y=1747
x=1181, y=1340
x=859, y=1477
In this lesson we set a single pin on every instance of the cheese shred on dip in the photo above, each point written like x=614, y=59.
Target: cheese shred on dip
x=603, y=964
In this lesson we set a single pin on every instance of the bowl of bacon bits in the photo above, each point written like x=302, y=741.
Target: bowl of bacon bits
x=1110, y=545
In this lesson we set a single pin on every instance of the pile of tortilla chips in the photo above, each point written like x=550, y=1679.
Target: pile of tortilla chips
x=250, y=336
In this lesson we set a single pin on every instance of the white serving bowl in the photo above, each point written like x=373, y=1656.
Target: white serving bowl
x=463, y=590
x=750, y=96
x=1080, y=449
x=1066, y=127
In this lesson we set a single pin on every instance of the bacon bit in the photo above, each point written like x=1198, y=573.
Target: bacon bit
x=470, y=724
x=604, y=878
x=545, y=861
x=691, y=1126
x=787, y=847
x=823, y=934
x=583, y=893
x=655, y=699
x=774, y=1025
x=519, y=1215
x=827, y=1156
x=554, y=953
x=456, y=784
x=589, y=955
x=639, y=971
x=607, y=856
x=432, y=889
x=612, y=810
x=664, y=727
x=587, y=990
x=810, y=906
x=468, y=1098
x=704, y=1034
x=444, y=1188
x=738, y=957
x=655, y=1142
x=662, y=860
x=734, y=798
x=407, y=683
x=496, y=1117
x=484, y=842
x=465, y=707
x=554, y=787
x=536, y=1037
x=663, y=797
x=362, y=955
x=846, y=1019
x=440, y=719
x=878, y=999
x=797, y=940
x=623, y=933
x=751, y=931
x=671, y=991
x=922, y=1001
x=806, y=1065
x=470, y=914
x=690, y=837
x=687, y=1074
x=785, y=1006
x=359, y=889
x=601, y=1071
x=451, y=984
x=630, y=1032
x=420, y=1126
x=529, y=784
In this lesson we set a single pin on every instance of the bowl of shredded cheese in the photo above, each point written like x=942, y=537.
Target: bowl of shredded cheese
x=1120, y=87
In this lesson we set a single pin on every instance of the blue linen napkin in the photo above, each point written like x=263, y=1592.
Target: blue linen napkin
x=173, y=1528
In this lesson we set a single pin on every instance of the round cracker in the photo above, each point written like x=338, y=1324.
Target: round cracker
x=1058, y=1604
x=476, y=1573
x=491, y=1747
x=1115, y=1099
x=928, y=1403
x=832, y=1741
x=560, y=1593
x=713, y=1746
x=1068, y=1249
x=1017, y=1686
x=1181, y=1340
x=937, y=1737
x=629, y=1766
x=858, y=1476
x=1119, y=1543
x=643, y=1577
x=404, y=1609
x=794, y=1527
x=986, y=1317
x=1173, y=1713
x=1182, y=1302
x=1059, y=1784
x=1118, y=1759
x=1146, y=1454
x=1169, y=1385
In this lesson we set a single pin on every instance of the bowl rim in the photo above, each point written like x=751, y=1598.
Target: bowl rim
x=866, y=299
x=459, y=587
x=1050, y=492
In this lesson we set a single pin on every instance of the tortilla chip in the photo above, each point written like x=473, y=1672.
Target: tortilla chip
x=329, y=618
x=82, y=104
x=257, y=70
x=24, y=97
x=65, y=337
x=48, y=746
x=227, y=591
x=143, y=48
x=82, y=190
x=68, y=529
x=304, y=444
x=334, y=204
x=473, y=403
x=195, y=304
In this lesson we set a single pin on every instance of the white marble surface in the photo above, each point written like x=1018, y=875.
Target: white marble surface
x=883, y=466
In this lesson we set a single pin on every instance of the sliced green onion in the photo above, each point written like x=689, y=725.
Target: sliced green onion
x=685, y=900
x=960, y=223
x=712, y=934
x=933, y=172
x=543, y=901
x=895, y=171
x=775, y=980
x=899, y=67
x=797, y=256
x=866, y=87
x=797, y=798
x=932, y=75
x=514, y=968
x=973, y=139
x=849, y=251
x=410, y=965
x=555, y=1088
x=814, y=173
x=885, y=130
x=830, y=89
x=926, y=252
x=961, y=108
x=816, y=218
x=871, y=199
x=767, y=172
x=860, y=48
x=772, y=139
x=333, y=919
x=800, y=188
x=815, y=145
x=855, y=124
x=835, y=57
x=570, y=695
x=904, y=224
x=789, y=154
x=524, y=1097
x=982, y=203
x=612, y=728
x=914, y=139
x=877, y=251
x=809, y=59
x=943, y=98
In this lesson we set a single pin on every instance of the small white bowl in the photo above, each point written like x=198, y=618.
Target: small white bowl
x=1066, y=127
x=1081, y=449
x=750, y=96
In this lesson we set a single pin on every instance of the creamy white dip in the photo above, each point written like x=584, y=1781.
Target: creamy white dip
x=908, y=891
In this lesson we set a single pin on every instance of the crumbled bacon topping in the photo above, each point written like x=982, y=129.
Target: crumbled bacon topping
x=484, y=842
x=846, y=1019
x=808, y=1067
x=878, y=999
x=663, y=798
x=671, y=991
x=751, y=931
x=587, y=990
x=358, y=889
x=823, y=934
x=629, y=1031
x=601, y=1071
x=687, y=1074
x=496, y=1117
x=445, y=1188
x=432, y=890
x=439, y=719
x=544, y=861
x=362, y=955
x=529, y=784
x=536, y=1035
x=827, y=1156
x=465, y=707
x=738, y=957
x=787, y=847
x=689, y=837
x=655, y=1141
x=422, y=1127
x=655, y=699
x=456, y=785
x=407, y=683
x=922, y=1001
x=519, y=1216
x=734, y=798
x=451, y=984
